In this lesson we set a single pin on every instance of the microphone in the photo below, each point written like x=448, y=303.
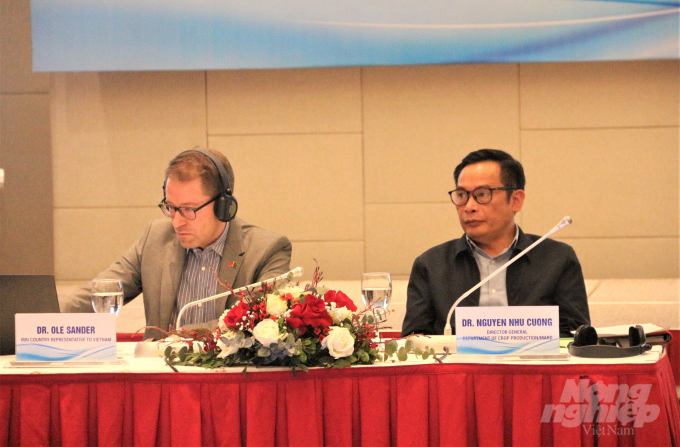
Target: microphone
x=566, y=220
x=295, y=273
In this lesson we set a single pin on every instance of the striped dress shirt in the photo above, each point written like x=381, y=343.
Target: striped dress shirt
x=199, y=280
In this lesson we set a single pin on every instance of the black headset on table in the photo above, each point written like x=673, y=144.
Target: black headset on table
x=587, y=344
x=225, y=204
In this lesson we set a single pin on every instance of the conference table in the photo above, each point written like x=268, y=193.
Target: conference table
x=462, y=401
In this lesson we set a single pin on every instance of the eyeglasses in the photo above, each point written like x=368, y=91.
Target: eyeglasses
x=184, y=211
x=482, y=195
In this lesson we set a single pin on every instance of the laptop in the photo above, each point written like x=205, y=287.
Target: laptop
x=23, y=294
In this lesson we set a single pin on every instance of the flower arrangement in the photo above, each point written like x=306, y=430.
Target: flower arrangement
x=287, y=326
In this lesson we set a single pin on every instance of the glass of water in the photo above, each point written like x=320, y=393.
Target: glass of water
x=107, y=295
x=376, y=290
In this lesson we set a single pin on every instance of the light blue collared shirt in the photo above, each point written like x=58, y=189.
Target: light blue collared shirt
x=494, y=292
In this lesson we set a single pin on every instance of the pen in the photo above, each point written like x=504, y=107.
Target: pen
x=167, y=362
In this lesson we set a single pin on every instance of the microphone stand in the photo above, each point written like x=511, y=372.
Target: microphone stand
x=563, y=223
x=444, y=341
x=296, y=272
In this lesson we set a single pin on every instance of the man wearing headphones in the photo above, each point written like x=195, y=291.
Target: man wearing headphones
x=176, y=261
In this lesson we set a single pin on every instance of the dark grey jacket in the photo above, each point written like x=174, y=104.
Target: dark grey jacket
x=549, y=274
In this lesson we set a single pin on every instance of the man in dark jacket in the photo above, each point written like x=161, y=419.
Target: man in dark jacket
x=489, y=192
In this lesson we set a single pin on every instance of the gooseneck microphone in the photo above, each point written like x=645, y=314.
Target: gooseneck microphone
x=567, y=220
x=296, y=272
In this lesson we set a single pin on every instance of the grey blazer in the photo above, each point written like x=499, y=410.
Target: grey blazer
x=154, y=264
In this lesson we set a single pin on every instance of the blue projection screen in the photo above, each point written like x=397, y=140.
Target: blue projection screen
x=101, y=35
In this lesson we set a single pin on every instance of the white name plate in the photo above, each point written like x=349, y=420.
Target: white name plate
x=81, y=337
x=508, y=330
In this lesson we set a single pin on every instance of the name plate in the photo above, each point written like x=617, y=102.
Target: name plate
x=81, y=337
x=508, y=330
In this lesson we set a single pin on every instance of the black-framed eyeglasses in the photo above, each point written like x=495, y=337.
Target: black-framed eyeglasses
x=185, y=211
x=482, y=195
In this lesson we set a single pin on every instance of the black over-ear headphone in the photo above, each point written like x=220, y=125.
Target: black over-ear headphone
x=587, y=344
x=225, y=204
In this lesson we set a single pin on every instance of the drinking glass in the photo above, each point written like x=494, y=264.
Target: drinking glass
x=107, y=295
x=376, y=290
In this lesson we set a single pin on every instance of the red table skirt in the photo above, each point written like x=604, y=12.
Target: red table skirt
x=423, y=405
x=673, y=350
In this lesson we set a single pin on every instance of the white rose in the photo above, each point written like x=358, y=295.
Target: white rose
x=339, y=342
x=267, y=332
x=275, y=305
x=340, y=314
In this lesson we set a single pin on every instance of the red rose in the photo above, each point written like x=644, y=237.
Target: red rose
x=296, y=323
x=340, y=300
x=235, y=315
x=312, y=313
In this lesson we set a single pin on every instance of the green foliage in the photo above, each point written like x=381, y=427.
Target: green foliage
x=341, y=363
x=310, y=354
x=391, y=347
x=296, y=351
x=183, y=353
